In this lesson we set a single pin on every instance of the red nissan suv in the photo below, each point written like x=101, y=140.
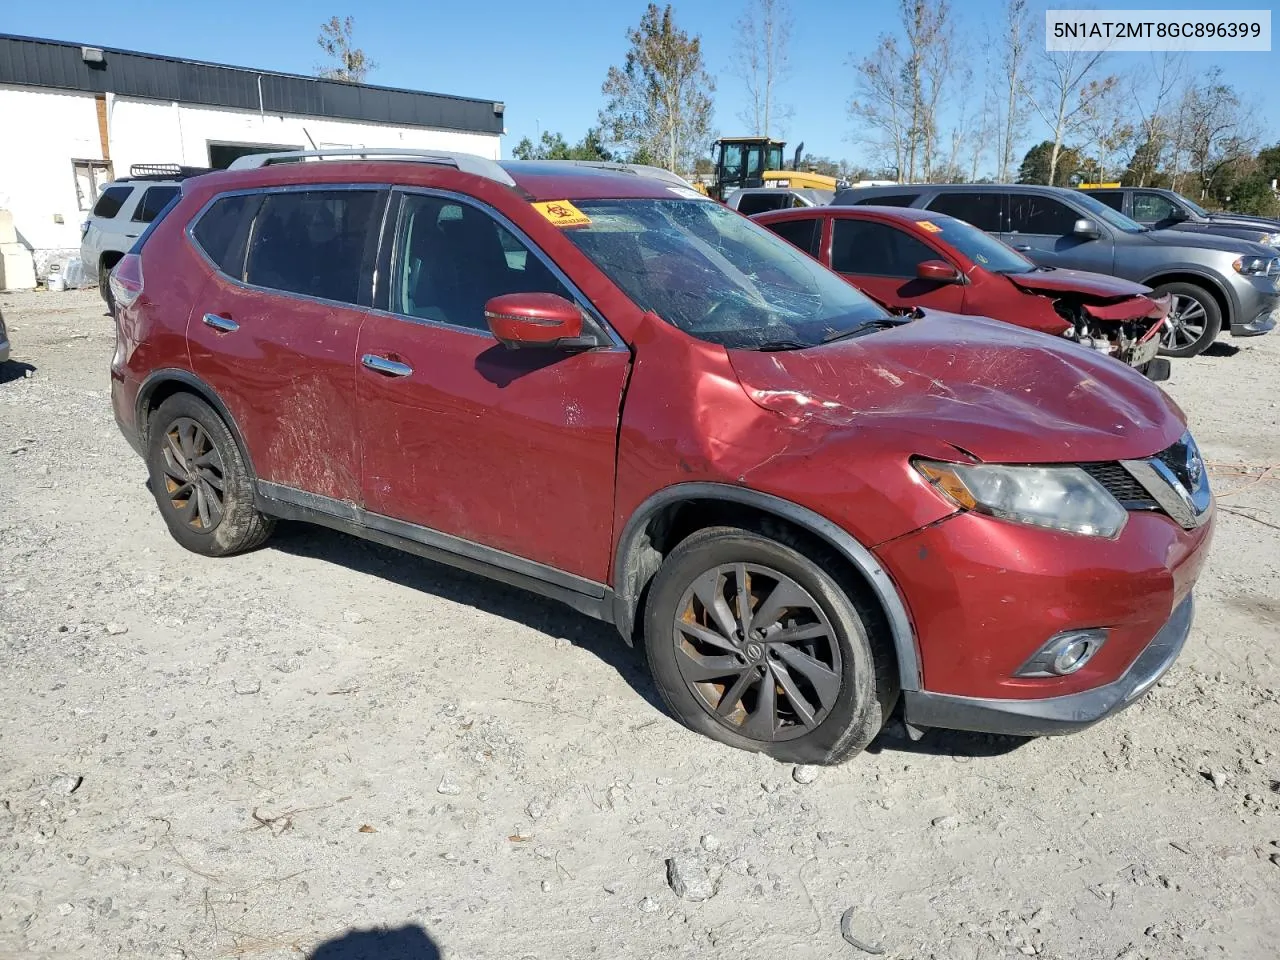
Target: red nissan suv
x=592, y=382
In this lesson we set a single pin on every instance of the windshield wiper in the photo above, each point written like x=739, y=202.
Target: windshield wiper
x=776, y=346
x=866, y=326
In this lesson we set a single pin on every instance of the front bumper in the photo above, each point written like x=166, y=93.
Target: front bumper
x=1056, y=715
x=1264, y=323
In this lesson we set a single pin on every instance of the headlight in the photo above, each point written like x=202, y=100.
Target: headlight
x=1256, y=266
x=1059, y=498
x=1270, y=240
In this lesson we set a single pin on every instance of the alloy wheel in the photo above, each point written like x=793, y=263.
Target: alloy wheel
x=194, y=475
x=757, y=651
x=1185, y=324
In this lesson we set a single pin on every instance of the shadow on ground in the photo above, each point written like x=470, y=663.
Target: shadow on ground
x=401, y=943
x=459, y=586
x=15, y=370
x=1220, y=349
x=958, y=744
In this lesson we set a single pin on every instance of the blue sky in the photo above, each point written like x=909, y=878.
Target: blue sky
x=546, y=59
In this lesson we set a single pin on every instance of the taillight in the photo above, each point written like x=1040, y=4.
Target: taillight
x=126, y=279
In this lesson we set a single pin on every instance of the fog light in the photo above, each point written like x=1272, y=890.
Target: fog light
x=1064, y=654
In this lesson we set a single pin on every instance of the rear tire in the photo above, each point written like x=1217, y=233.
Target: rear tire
x=200, y=480
x=805, y=682
x=1195, y=319
x=104, y=288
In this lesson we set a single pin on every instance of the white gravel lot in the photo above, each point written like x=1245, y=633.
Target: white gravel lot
x=254, y=757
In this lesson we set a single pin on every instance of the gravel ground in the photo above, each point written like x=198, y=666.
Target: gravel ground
x=266, y=755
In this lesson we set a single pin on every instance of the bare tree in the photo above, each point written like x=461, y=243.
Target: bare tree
x=761, y=61
x=1214, y=133
x=883, y=107
x=336, y=39
x=1103, y=131
x=1067, y=92
x=659, y=101
x=1153, y=96
x=1015, y=47
x=902, y=88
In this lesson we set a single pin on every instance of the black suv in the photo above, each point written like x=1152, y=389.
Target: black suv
x=1165, y=210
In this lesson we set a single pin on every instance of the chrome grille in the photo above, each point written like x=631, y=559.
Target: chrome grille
x=1172, y=482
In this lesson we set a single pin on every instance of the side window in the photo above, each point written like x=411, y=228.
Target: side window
x=982, y=210
x=222, y=230
x=760, y=202
x=111, y=201
x=889, y=200
x=451, y=258
x=1029, y=213
x=152, y=202
x=875, y=249
x=804, y=234
x=1152, y=208
x=313, y=242
x=1112, y=198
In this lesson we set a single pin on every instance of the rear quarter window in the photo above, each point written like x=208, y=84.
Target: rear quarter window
x=153, y=201
x=222, y=230
x=112, y=199
x=804, y=234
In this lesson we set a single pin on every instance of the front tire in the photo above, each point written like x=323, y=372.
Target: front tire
x=754, y=644
x=1194, y=321
x=200, y=480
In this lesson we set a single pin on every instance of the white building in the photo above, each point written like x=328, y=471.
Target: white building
x=72, y=118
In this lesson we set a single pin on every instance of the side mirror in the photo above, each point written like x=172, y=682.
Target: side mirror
x=1177, y=215
x=1086, y=229
x=522, y=320
x=937, y=271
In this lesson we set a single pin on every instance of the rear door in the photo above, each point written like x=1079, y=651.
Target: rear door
x=274, y=330
x=881, y=258
x=1042, y=228
x=509, y=450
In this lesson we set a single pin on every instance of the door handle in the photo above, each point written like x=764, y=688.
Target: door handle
x=224, y=324
x=1023, y=247
x=392, y=368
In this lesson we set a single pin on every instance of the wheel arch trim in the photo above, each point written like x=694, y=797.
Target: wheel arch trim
x=159, y=378
x=1196, y=276
x=885, y=590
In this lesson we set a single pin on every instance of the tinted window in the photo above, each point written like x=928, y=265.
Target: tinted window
x=111, y=201
x=222, y=230
x=760, y=202
x=1151, y=208
x=1112, y=198
x=451, y=258
x=312, y=242
x=888, y=200
x=152, y=202
x=804, y=234
x=1029, y=213
x=876, y=249
x=980, y=209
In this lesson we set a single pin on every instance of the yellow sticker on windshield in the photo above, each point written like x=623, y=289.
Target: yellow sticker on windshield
x=562, y=213
x=930, y=226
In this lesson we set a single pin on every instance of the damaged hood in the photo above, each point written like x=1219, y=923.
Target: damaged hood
x=992, y=390
x=1077, y=281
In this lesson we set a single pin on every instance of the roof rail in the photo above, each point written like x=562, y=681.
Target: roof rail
x=639, y=169
x=463, y=162
x=164, y=171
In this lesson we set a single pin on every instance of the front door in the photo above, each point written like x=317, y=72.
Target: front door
x=881, y=259
x=274, y=332
x=511, y=450
x=1042, y=228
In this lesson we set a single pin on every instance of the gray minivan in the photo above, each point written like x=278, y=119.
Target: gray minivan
x=1215, y=282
